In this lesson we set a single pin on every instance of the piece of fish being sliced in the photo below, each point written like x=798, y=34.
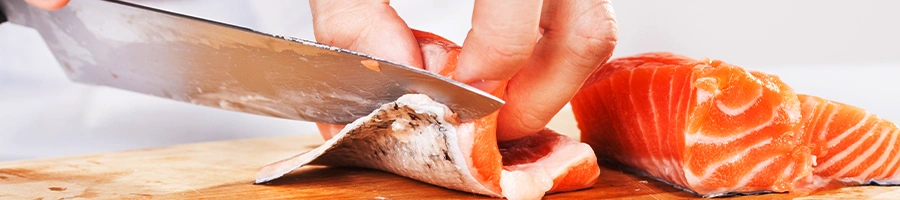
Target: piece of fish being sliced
x=421, y=139
x=851, y=146
x=418, y=138
x=706, y=126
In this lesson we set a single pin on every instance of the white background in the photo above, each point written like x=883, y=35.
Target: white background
x=843, y=50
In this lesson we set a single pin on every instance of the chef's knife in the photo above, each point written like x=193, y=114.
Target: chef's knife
x=151, y=51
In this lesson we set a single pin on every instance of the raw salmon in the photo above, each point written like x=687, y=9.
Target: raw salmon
x=851, y=145
x=419, y=138
x=705, y=126
x=715, y=129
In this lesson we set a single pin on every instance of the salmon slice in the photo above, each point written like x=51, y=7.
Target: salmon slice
x=706, y=126
x=851, y=145
x=419, y=138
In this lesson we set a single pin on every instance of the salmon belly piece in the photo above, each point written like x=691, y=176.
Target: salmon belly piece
x=851, y=145
x=419, y=138
x=708, y=127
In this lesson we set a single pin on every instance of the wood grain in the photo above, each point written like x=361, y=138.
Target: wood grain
x=225, y=170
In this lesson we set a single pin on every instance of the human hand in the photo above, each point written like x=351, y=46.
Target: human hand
x=545, y=49
x=48, y=4
x=367, y=26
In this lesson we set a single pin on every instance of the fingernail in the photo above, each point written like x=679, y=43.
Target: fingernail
x=486, y=85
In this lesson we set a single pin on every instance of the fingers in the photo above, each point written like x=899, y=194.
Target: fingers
x=502, y=38
x=578, y=36
x=48, y=4
x=367, y=26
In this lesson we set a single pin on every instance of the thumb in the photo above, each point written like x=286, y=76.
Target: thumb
x=370, y=27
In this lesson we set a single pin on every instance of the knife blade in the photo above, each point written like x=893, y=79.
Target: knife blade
x=180, y=57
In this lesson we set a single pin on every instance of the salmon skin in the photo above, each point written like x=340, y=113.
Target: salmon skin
x=419, y=138
x=716, y=129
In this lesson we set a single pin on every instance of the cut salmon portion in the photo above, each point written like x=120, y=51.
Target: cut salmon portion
x=419, y=138
x=715, y=129
x=704, y=125
x=851, y=145
x=577, y=162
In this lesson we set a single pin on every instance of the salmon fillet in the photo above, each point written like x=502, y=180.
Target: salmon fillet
x=419, y=138
x=851, y=145
x=716, y=129
x=705, y=126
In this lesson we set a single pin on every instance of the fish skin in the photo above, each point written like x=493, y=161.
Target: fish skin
x=409, y=137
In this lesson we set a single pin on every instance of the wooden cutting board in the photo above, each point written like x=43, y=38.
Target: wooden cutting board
x=225, y=170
